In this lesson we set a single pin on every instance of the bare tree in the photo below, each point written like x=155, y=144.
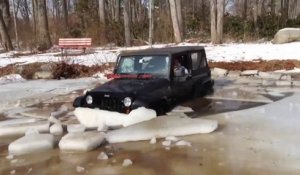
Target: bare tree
x=117, y=10
x=127, y=23
x=65, y=15
x=255, y=16
x=217, y=8
x=102, y=12
x=175, y=22
x=4, y=23
x=42, y=29
x=179, y=16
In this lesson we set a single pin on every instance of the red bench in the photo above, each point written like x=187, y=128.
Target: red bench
x=75, y=43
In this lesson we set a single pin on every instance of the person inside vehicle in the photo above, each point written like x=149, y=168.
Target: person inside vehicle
x=179, y=70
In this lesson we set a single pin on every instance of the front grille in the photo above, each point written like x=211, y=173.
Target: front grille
x=110, y=104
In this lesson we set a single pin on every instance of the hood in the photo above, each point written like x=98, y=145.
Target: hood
x=132, y=86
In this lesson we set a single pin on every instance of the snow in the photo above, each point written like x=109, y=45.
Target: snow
x=56, y=129
x=32, y=143
x=97, y=58
x=13, y=78
x=81, y=141
x=253, y=51
x=162, y=127
x=92, y=118
x=225, y=52
x=13, y=127
x=75, y=128
x=127, y=162
x=102, y=156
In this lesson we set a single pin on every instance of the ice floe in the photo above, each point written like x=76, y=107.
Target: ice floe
x=127, y=162
x=102, y=156
x=31, y=143
x=56, y=129
x=20, y=126
x=94, y=118
x=162, y=127
x=81, y=141
x=75, y=128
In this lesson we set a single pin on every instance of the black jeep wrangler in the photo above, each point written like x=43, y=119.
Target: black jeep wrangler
x=153, y=78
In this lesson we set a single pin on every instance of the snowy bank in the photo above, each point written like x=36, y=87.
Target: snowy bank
x=224, y=52
x=13, y=78
x=162, y=127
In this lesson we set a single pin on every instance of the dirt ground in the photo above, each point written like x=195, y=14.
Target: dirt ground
x=76, y=71
x=260, y=65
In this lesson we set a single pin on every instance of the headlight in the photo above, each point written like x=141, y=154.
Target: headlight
x=127, y=101
x=89, y=99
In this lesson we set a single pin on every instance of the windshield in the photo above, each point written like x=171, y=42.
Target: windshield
x=156, y=65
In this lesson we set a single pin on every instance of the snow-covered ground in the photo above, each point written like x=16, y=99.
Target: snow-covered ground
x=224, y=52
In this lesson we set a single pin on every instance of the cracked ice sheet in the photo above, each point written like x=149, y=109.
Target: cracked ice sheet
x=32, y=92
x=161, y=127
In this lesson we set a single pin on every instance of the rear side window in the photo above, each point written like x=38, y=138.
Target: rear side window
x=196, y=60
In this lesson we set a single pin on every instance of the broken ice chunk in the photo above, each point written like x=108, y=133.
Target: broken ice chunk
x=75, y=128
x=56, y=129
x=182, y=109
x=80, y=169
x=153, y=140
x=102, y=156
x=31, y=144
x=127, y=162
x=172, y=138
x=166, y=143
x=16, y=128
x=95, y=118
x=162, y=127
x=81, y=141
x=183, y=143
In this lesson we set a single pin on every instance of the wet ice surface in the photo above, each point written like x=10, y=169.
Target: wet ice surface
x=260, y=140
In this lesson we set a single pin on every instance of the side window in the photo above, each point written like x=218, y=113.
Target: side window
x=203, y=63
x=196, y=58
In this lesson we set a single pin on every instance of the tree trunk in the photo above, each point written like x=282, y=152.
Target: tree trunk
x=213, y=20
x=179, y=16
x=4, y=25
x=127, y=23
x=102, y=12
x=220, y=16
x=176, y=28
x=245, y=17
x=66, y=16
x=151, y=21
x=42, y=29
x=273, y=7
x=117, y=10
x=255, y=16
x=217, y=8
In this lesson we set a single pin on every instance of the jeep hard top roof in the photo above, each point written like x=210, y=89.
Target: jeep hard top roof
x=165, y=50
